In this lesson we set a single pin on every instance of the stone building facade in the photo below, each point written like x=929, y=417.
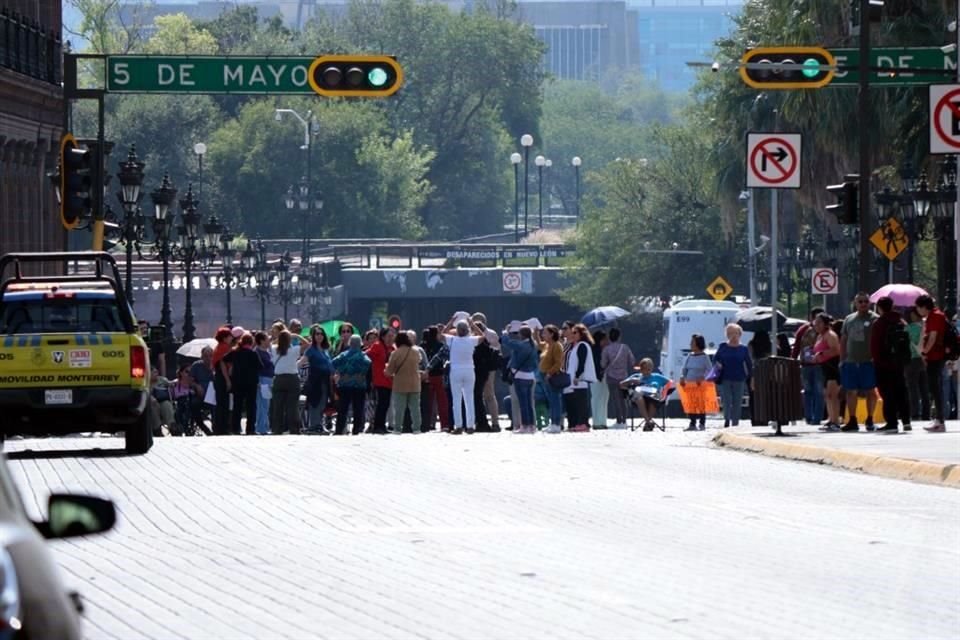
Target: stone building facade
x=31, y=124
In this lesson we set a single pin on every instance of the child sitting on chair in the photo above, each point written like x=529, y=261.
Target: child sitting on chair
x=646, y=389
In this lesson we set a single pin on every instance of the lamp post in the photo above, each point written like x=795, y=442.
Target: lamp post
x=188, y=252
x=218, y=242
x=526, y=141
x=936, y=204
x=257, y=264
x=515, y=159
x=788, y=263
x=540, y=161
x=162, y=198
x=310, y=126
x=131, y=181
x=301, y=196
x=807, y=260
x=576, y=162
x=200, y=150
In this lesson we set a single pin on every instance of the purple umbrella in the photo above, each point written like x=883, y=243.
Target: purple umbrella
x=903, y=295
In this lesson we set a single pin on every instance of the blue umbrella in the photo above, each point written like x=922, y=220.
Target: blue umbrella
x=603, y=316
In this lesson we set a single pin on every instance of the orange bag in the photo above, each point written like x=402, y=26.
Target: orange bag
x=699, y=397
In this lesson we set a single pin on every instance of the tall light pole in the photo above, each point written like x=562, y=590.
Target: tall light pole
x=576, y=162
x=540, y=161
x=188, y=254
x=515, y=159
x=162, y=198
x=309, y=126
x=747, y=198
x=131, y=183
x=200, y=150
x=526, y=141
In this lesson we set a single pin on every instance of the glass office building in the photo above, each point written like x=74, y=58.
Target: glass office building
x=671, y=33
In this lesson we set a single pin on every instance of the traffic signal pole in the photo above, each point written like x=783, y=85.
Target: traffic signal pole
x=97, y=188
x=863, y=108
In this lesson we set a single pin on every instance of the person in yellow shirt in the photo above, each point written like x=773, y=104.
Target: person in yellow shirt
x=551, y=364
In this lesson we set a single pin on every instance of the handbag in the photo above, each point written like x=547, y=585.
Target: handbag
x=560, y=380
x=715, y=375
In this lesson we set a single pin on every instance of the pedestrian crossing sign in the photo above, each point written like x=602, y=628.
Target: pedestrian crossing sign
x=890, y=239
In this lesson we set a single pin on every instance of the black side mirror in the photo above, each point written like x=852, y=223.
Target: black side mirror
x=70, y=515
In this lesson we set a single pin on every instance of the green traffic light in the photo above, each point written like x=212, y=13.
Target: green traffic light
x=811, y=68
x=377, y=77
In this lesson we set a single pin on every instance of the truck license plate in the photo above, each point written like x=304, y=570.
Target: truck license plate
x=58, y=396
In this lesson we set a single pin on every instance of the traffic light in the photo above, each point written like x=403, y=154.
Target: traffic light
x=76, y=180
x=358, y=76
x=847, y=208
x=395, y=323
x=787, y=67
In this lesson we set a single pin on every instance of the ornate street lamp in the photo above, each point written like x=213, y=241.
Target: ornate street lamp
x=131, y=183
x=162, y=198
x=188, y=253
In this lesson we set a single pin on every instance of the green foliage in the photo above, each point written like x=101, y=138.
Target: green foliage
x=643, y=216
x=582, y=119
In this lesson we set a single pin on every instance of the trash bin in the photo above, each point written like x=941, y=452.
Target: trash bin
x=777, y=392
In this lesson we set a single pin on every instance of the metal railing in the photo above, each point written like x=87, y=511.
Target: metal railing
x=447, y=256
x=27, y=48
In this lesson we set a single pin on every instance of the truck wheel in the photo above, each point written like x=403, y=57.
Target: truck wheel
x=139, y=436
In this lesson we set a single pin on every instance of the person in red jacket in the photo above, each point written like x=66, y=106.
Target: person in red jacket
x=932, y=352
x=890, y=370
x=379, y=352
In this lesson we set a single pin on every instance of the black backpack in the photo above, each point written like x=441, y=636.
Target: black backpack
x=951, y=342
x=897, y=343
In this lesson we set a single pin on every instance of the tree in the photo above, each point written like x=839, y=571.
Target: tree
x=642, y=232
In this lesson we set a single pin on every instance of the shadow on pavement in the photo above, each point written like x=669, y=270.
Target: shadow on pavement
x=53, y=454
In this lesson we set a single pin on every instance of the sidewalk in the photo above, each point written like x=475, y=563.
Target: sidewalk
x=918, y=456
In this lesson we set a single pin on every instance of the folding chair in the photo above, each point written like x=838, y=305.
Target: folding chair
x=662, y=398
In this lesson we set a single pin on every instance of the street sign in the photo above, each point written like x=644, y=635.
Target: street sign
x=719, y=289
x=512, y=281
x=896, y=58
x=208, y=74
x=945, y=118
x=773, y=160
x=890, y=239
x=823, y=281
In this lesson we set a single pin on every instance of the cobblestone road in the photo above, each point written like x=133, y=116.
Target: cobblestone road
x=601, y=535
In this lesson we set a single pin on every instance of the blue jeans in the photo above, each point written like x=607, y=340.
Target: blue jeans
x=731, y=395
x=524, y=389
x=263, y=407
x=812, y=394
x=555, y=402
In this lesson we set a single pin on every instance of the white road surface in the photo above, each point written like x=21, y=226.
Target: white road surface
x=601, y=535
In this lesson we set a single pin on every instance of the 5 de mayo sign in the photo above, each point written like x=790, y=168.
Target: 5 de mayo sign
x=208, y=74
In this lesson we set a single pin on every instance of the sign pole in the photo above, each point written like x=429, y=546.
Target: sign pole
x=774, y=202
x=863, y=108
x=751, y=248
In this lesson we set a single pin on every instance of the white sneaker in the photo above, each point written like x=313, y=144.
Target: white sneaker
x=552, y=428
x=617, y=425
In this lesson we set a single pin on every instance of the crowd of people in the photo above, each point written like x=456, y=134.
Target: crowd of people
x=907, y=358
x=559, y=377
x=389, y=381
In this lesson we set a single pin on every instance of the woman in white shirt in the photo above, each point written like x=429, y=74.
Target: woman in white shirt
x=578, y=363
x=461, y=342
x=285, y=405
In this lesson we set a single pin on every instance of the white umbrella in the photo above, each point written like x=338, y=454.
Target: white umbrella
x=193, y=348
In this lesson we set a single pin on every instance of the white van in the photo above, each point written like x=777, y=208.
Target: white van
x=705, y=317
